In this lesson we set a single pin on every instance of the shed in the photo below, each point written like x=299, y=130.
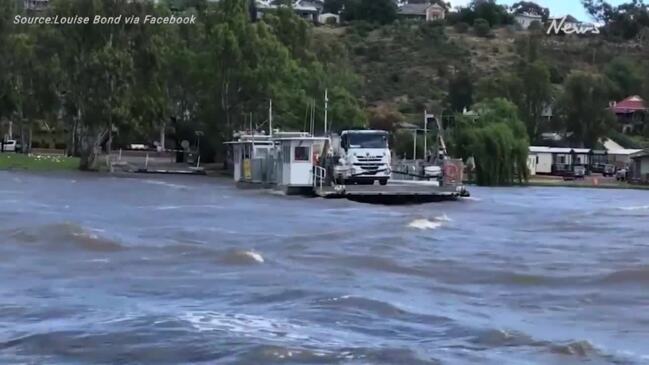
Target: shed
x=639, y=169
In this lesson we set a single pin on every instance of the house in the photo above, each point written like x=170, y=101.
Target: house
x=631, y=113
x=555, y=161
x=36, y=5
x=639, y=169
x=566, y=20
x=307, y=10
x=426, y=11
x=526, y=19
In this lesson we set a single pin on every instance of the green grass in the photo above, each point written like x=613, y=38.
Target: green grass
x=35, y=162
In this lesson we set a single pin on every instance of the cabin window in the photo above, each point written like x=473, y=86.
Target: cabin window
x=537, y=159
x=301, y=153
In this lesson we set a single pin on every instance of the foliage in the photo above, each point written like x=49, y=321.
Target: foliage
x=626, y=77
x=373, y=11
x=497, y=140
x=334, y=6
x=625, y=21
x=585, y=124
x=137, y=81
x=481, y=27
x=384, y=118
x=493, y=13
x=462, y=27
x=460, y=95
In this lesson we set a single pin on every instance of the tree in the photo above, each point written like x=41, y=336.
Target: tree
x=384, y=118
x=624, y=21
x=493, y=13
x=334, y=6
x=626, y=77
x=497, y=141
x=536, y=96
x=373, y=11
x=583, y=108
x=460, y=95
x=530, y=7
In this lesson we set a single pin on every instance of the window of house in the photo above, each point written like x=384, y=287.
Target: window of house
x=301, y=153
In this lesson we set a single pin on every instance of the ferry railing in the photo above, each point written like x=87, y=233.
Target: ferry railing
x=319, y=175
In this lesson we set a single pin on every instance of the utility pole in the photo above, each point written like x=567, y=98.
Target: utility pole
x=270, y=118
x=326, y=110
x=414, y=148
x=425, y=134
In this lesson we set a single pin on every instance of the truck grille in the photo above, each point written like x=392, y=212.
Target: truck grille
x=374, y=159
x=368, y=166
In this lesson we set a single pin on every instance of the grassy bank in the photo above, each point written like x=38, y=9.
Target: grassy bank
x=572, y=184
x=35, y=162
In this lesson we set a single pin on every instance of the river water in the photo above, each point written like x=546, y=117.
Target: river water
x=181, y=270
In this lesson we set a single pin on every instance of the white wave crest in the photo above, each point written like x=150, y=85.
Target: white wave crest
x=639, y=207
x=254, y=255
x=443, y=218
x=424, y=224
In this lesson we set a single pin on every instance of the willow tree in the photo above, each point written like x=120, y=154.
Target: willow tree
x=497, y=140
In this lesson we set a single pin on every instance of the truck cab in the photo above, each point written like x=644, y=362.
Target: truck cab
x=365, y=155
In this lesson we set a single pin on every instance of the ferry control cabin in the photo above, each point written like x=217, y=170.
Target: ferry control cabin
x=285, y=161
x=250, y=159
x=296, y=159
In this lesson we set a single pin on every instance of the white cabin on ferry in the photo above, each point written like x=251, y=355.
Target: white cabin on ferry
x=249, y=156
x=296, y=157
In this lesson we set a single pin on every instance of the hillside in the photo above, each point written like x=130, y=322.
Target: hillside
x=410, y=65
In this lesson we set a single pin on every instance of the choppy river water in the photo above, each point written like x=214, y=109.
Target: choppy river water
x=178, y=270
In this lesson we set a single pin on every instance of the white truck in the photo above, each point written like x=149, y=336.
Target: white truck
x=363, y=157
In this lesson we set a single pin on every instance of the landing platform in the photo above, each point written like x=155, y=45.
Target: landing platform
x=396, y=192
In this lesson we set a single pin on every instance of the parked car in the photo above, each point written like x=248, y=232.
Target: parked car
x=620, y=175
x=577, y=173
x=9, y=145
x=609, y=170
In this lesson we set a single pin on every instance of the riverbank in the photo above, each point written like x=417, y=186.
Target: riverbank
x=591, y=182
x=37, y=162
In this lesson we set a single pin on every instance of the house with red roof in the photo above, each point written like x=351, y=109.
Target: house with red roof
x=632, y=113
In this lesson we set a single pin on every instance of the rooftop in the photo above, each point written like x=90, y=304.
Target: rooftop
x=629, y=105
x=417, y=9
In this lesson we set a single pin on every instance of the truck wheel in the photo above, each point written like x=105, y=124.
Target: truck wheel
x=383, y=182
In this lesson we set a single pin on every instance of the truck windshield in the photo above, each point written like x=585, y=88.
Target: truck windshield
x=367, y=140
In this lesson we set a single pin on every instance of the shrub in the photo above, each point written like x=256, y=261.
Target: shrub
x=331, y=21
x=481, y=27
x=462, y=27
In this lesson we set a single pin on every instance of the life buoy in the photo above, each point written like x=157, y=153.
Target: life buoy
x=451, y=171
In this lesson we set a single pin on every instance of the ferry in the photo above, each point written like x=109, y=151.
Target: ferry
x=355, y=165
